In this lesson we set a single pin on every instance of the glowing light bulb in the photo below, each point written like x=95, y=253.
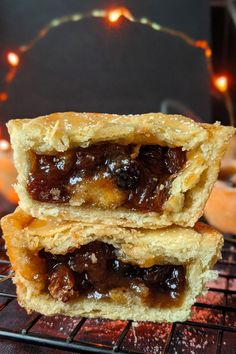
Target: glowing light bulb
x=13, y=58
x=221, y=83
x=4, y=145
x=3, y=96
x=114, y=15
x=201, y=44
x=208, y=52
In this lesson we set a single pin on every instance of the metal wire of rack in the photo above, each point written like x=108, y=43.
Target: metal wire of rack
x=211, y=329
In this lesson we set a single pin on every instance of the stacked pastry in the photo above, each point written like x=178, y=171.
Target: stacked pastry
x=106, y=224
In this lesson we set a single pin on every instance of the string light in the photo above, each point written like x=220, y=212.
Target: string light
x=4, y=145
x=221, y=83
x=13, y=58
x=3, y=96
x=112, y=16
x=208, y=52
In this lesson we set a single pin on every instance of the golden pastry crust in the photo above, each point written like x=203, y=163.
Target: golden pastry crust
x=198, y=249
x=204, y=145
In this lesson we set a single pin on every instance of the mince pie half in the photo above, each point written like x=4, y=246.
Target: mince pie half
x=150, y=170
x=95, y=270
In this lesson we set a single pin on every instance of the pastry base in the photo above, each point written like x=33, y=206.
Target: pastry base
x=197, y=249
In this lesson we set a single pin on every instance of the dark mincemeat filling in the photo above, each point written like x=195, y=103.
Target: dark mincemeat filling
x=94, y=269
x=145, y=179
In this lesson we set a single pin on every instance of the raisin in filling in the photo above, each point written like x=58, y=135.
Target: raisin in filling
x=143, y=178
x=94, y=270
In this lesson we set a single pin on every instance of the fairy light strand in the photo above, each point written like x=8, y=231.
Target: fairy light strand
x=221, y=83
x=14, y=57
x=113, y=16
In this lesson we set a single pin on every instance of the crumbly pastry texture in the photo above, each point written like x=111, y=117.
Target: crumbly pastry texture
x=204, y=144
x=198, y=249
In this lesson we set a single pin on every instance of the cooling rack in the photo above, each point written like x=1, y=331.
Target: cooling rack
x=211, y=329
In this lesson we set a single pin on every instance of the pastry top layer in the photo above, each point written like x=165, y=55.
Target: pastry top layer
x=172, y=245
x=60, y=131
x=205, y=145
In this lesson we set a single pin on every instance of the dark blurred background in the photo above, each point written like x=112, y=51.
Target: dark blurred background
x=122, y=67
x=223, y=42
x=94, y=65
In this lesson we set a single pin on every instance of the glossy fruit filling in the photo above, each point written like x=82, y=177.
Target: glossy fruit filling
x=94, y=271
x=107, y=175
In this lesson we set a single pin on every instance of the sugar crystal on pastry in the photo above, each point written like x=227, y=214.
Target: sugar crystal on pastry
x=149, y=170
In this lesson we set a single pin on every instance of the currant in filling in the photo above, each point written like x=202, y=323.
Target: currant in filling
x=107, y=175
x=94, y=271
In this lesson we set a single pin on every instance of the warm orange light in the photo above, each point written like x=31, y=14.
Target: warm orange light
x=13, y=58
x=208, y=52
x=204, y=45
x=201, y=44
x=12, y=196
x=7, y=176
x=11, y=74
x=3, y=96
x=221, y=83
x=4, y=145
x=115, y=14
